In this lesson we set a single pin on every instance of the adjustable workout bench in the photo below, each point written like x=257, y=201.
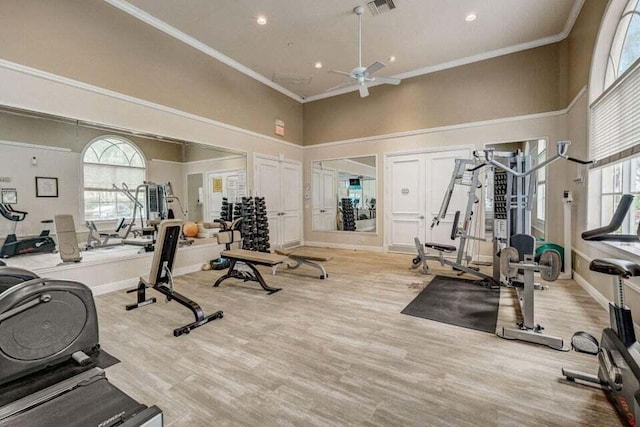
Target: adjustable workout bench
x=161, y=279
x=300, y=257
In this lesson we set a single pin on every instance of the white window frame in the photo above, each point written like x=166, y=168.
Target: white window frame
x=607, y=85
x=119, y=184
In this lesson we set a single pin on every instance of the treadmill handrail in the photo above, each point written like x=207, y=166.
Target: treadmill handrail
x=605, y=233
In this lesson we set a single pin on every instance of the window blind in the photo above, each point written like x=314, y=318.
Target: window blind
x=615, y=120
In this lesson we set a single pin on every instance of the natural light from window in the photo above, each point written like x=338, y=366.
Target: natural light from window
x=107, y=161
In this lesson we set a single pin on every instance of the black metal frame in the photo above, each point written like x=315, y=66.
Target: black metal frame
x=255, y=276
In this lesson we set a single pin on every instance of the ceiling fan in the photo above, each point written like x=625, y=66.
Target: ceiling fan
x=361, y=76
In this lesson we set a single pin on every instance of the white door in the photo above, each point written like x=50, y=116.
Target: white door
x=406, y=195
x=267, y=184
x=290, y=214
x=329, y=200
x=323, y=200
x=439, y=169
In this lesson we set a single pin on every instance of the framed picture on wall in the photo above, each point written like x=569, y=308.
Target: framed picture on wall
x=46, y=187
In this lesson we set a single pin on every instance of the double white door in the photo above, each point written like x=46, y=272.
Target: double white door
x=280, y=183
x=415, y=188
x=325, y=200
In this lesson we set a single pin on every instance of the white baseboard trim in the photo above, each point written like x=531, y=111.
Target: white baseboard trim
x=593, y=292
x=133, y=282
x=344, y=246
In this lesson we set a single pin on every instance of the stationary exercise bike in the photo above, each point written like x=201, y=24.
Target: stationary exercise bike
x=30, y=245
x=618, y=351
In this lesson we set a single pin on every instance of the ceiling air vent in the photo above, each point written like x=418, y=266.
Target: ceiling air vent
x=381, y=6
x=290, y=79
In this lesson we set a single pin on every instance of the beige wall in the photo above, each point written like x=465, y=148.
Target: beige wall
x=93, y=42
x=578, y=47
x=511, y=85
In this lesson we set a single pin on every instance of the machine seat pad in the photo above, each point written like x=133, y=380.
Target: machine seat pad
x=615, y=267
x=440, y=247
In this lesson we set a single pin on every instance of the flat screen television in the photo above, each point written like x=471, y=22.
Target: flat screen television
x=354, y=182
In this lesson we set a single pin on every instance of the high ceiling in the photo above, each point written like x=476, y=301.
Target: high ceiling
x=423, y=35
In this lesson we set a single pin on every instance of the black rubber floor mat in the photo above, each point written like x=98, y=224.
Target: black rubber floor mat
x=458, y=302
x=39, y=380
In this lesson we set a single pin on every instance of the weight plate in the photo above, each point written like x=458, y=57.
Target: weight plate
x=551, y=260
x=507, y=256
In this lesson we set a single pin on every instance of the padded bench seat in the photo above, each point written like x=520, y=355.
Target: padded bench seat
x=250, y=259
x=260, y=258
x=440, y=247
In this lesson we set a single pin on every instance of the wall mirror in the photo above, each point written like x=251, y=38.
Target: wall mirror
x=534, y=151
x=95, y=166
x=344, y=194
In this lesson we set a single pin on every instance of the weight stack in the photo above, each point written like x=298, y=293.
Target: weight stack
x=348, y=215
x=262, y=225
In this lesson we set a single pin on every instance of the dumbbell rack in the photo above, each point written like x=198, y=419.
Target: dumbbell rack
x=348, y=216
x=262, y=225
x=254, y=226
x=226, y=210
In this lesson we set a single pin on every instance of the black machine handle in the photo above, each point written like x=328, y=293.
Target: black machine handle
x=605, y=234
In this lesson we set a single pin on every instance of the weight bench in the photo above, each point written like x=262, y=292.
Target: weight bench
x=161, y=279
x=243, y=265
x=301, y=257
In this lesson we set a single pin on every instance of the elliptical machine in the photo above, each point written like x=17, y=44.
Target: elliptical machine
x=31, y=245
x=618, y=351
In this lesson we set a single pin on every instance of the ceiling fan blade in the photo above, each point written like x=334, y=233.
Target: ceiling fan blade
x=387, y=80
x=373, y=68
x=341, y=86
x=342, y=73
x=364, y=90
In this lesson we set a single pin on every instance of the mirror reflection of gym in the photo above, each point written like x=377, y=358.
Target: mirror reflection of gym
x=344, y=194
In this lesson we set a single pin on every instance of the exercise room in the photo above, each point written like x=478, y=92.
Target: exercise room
x=279, y=212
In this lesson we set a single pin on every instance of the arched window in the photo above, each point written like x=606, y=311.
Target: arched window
x=106, y=161
x=615, y=113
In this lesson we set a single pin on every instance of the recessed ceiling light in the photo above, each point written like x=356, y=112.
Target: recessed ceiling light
x=470, y=17
x=392, y=59
x=318, y=65
x=289, y=44
x=261, y=20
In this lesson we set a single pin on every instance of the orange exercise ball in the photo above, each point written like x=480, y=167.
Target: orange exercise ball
x=190, y=229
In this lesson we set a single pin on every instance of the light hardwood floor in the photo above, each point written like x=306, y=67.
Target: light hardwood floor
x=339, y=352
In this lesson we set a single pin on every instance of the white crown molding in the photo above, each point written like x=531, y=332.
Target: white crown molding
x=122, y=97
x=196, y=44
x=568, y=26
x=34, y=146
x=374, y=138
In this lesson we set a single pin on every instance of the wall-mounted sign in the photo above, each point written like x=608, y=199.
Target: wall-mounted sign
x=279, y=127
